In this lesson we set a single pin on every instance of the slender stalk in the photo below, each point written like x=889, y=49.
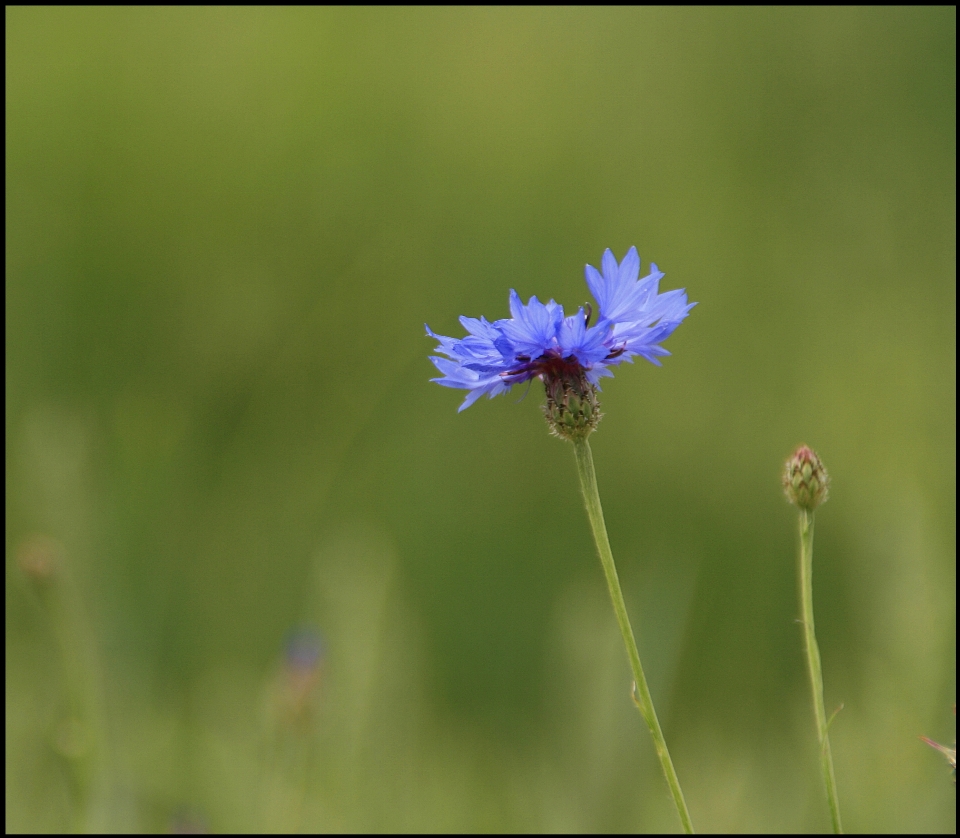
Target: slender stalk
x=79, y=737
x=591, y=497
x=813, y=665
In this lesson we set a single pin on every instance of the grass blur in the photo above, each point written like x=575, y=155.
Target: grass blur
x=225, y=230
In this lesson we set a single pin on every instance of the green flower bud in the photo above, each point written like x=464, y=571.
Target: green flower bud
x=40, y=557
x=805, y=480
x=949, y=753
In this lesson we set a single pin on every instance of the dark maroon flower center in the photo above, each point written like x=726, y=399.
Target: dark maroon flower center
x=549, y=365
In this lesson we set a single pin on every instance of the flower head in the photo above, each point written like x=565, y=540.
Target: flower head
x=539, y=341
x=805, y=480
x=950, y=754
x=299, y=676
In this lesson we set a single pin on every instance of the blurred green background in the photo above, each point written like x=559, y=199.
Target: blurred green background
x=225, y=230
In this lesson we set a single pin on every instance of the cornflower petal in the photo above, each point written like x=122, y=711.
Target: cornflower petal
x=447, y=345
x=596, y=373
x=481, y=328
x=533, y=329
x=597, y=286
x=646, y=289
x=587, y=345
x=616, y=290
x=460, y=377
x=671, y=305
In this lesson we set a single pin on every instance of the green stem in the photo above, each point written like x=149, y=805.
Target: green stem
x=813, y=665
x=79, y=736
x=591, y=497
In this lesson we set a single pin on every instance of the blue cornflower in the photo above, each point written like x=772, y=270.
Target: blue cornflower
x=567, y=353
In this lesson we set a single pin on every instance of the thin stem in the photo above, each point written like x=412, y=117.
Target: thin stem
x=591, y=497
x=813, y=665
x=79, y=738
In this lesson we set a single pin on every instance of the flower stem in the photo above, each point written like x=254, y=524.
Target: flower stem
x=813, y=665
x=79, y=736
x=591, y=498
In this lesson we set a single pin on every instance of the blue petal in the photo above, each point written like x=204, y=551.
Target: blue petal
x=611, y=270
x=596, y=285
x=617, y=291
x=586, y=345
x=533, y=329
x=629, y=268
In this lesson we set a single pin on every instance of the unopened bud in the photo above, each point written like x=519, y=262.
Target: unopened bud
x=40, y=557
x=949, y=753
x=805, y=480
